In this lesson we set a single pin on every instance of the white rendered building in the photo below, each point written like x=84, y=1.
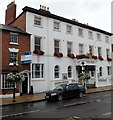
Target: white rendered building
x=59, y=46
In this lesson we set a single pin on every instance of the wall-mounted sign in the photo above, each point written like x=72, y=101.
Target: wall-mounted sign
x=26, y=57
x=64, y=76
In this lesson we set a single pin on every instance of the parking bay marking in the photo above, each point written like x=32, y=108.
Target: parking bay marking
x=11, y=115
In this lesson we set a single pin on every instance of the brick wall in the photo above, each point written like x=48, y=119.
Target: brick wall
x=23, y=46
x=20, y=21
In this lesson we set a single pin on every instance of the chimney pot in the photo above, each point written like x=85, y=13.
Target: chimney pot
x=47, y=8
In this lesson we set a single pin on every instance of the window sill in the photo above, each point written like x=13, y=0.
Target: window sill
x=70, y=33
x=11, y=64
x=11, y=43
x=56, y=30
x=80, y=35
x=38, y=79
x=38, y=26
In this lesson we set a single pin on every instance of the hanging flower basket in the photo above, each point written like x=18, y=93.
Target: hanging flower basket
x=109, y=59
x=38, y=52
x=84, y=76
x=58, y=54
x=15, y=77
x=94, y=57
x=82, y=56
x=71, y=56
x=100, y=58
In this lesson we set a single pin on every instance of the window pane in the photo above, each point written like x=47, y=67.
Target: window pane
x=14, y=38
x=37, y=71
x=37, y=43
x=56, y=45
x=37, y=21
x=56, y=71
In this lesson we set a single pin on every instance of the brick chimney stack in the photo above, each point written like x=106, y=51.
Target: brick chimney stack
x=10, y=13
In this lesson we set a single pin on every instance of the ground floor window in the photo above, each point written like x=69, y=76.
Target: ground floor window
x=69, y=72
x=100, y=71
x=5, y=83
x=109, y=70
x=37, y=70
x=56, y=71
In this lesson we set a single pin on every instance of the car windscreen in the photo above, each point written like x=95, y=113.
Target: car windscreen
x=80, y=86
x=60, y=87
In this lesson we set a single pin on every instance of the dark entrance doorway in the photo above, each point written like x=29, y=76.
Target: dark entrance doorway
x=25, y=85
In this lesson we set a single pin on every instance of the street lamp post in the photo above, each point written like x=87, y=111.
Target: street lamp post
x=14, y=63
x=83, y=71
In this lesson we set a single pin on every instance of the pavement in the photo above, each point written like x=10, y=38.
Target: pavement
x=41, y=96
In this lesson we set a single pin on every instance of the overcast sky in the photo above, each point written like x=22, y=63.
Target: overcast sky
x=96, y=13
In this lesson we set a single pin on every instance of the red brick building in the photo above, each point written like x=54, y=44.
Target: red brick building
x=13, y=42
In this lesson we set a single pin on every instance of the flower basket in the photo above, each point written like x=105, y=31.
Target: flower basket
x=109, y=59
x=15, y=77
x=71, y=56
x=100, y=58
x=94, y=57
x=58, y=54
x=38, y=52
x=81, y=56
x=84, y=76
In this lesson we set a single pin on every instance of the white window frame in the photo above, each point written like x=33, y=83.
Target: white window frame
x=39, y=20
x=99, y=52
x=56, y=25
x=12, y=37
x=13, y=50
x=40, y=71
x=70, y=72
x=106, y=39
x=81, y=52
x=90, y=49
x=56, y=47
x=69, y=29
x=5, y=84
x=90, y=34
x=69, y=48
x=109, y=70
x=98, y=36
x=56, y=71
x=40, y=46
x=100, y=71
x=108, y=53
x=80, y=32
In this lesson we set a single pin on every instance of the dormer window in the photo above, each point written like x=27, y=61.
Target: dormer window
x=13, y=38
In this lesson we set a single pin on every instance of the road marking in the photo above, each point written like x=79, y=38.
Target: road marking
x=73, y=118
x=11, y=115
x=75, y=104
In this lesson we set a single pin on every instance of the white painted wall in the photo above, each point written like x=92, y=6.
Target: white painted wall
x=48, y=35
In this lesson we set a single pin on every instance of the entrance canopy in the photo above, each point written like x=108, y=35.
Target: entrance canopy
x=87, y=62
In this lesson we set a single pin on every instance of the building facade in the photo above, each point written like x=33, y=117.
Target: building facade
x=59, y=46
x=14, y=41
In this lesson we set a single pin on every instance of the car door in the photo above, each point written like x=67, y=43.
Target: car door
x=75, y=90
x=69, y=91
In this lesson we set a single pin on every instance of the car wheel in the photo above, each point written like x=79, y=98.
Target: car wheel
x=60, y=97
x=81, y=94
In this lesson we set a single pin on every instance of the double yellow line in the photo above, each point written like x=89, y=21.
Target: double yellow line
x=73, y=118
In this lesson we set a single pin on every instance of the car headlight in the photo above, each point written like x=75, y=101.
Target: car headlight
x=53, y=94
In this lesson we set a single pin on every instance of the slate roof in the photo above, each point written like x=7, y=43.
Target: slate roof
x=48, y=14
x=12, y=29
